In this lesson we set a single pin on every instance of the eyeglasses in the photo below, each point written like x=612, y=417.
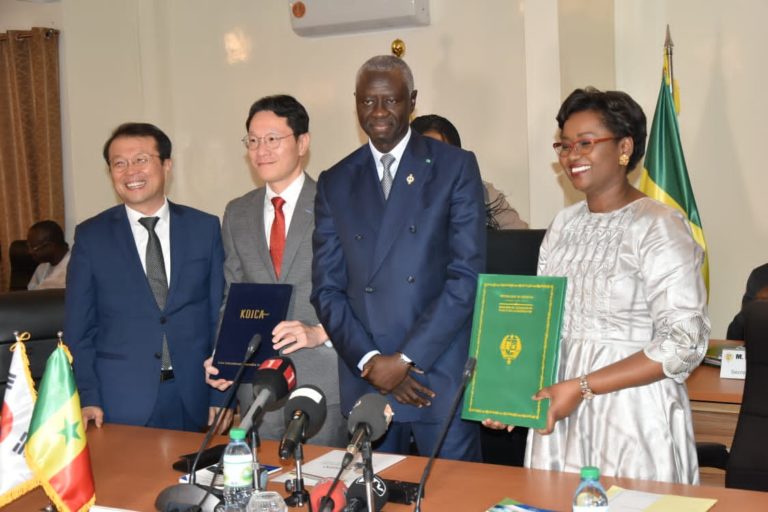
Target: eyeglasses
x=35, y=248
x=139, y=161
x=581, y=146
x=270, y=141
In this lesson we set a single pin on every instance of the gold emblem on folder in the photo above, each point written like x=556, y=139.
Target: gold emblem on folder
x=410, y=179
x=510, y=347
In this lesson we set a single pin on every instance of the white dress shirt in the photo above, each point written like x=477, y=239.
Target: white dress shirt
x=291, y=197
x=141, y=235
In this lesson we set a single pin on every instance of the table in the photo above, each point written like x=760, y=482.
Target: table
x=715, y=405
x=133, y=464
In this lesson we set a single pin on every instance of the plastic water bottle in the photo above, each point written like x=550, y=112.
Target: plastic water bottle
x=590, y=495
x=238, y=473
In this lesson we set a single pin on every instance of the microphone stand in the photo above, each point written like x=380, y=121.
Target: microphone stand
x=367, y=454
x=299, y=494
x=469, y=369
x=191, y=495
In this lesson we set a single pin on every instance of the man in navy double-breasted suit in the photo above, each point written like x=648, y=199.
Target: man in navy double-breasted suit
x=138, y=346
x=395, y=264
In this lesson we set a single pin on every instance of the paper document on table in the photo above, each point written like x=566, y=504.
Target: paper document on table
x=326, y=466
x=625, y=500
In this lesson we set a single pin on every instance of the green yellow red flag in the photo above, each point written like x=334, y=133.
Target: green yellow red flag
x=56, y=449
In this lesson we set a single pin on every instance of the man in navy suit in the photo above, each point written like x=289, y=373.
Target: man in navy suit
x=398, y=244
x=144, y=287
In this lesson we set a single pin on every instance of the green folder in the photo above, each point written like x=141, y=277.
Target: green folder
x=516, y=341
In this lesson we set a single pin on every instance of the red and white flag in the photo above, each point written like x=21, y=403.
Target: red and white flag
x=15, y=476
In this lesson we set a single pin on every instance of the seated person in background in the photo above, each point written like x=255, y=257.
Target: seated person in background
x=500, y=214
x=757, y=289
x=47, y=247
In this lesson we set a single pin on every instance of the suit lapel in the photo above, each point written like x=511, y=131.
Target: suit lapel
x=178, y=235
x=255, y=225
x=123, y=236
x=303, y=220
x=366, y=198
x=404, y=198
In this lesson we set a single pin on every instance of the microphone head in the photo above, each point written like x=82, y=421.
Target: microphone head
x=253, y=346
x=469, y=367
x=310, y=400
x=380, y=492
x=276, y=374
x=338, y=496
x=374, y=410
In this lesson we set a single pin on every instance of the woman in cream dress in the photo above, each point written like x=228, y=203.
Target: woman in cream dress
x=635, y=322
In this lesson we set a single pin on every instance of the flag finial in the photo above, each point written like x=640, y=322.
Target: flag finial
x=668, y=44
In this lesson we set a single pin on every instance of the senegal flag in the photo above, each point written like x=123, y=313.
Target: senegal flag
x=56, y=449
x=665, y=176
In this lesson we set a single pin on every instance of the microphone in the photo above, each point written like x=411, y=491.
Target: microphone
x=370, y=417
x=273, y=380
x=190, y=496
x=469, y=369
x=356, y=495
x=333, y=503
x=304, y=417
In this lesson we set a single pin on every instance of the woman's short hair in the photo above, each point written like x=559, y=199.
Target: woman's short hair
x=619, y=112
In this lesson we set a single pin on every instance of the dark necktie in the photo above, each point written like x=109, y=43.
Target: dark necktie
x=277, y=235
x=158, y=281
x=386, y=177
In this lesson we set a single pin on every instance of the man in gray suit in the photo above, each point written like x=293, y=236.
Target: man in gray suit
x=267, y=237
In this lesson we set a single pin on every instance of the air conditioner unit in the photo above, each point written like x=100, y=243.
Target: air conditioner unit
x=329, y=17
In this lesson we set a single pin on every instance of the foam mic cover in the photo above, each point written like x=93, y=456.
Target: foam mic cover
x=371, y=409
x=356, y=493
x=276, y=374
x=311, y=401
x=338, y=499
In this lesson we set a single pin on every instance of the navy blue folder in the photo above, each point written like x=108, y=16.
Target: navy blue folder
x=252, y=308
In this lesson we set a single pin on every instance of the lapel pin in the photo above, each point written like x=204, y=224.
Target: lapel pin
x=410, y=179
x=429, y=160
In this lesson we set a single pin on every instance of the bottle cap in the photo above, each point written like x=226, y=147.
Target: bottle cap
x=237, y=434
x=589, y=472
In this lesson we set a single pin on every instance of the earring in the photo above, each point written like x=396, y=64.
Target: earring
x=623, y=159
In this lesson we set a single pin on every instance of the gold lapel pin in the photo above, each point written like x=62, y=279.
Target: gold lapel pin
x=410, y=179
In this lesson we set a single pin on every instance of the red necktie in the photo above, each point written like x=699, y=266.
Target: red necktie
x=277, y=235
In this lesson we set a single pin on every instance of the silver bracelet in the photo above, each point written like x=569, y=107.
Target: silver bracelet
x=586, y=391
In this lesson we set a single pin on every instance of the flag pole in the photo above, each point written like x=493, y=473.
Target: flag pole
x=668, y=46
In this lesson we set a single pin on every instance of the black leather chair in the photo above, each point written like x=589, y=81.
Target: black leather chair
x=748, y=461
x=22, y=265
x=516, y=252
x=39, y=312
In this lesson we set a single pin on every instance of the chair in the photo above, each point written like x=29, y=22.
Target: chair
x=39, y=312
x=513, y=251
x=748, y=462
x=510, y=251
x=22, y=265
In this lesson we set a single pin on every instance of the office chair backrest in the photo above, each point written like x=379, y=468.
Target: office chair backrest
x=513, y=251
x=516, y=252
x=22, y=265
x=748, y=461
x=39, y=312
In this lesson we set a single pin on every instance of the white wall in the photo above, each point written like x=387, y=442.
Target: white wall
x=719, y=63
x=498, y=69
x=165, y=61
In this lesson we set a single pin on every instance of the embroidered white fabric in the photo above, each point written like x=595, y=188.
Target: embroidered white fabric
x=634, y=283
